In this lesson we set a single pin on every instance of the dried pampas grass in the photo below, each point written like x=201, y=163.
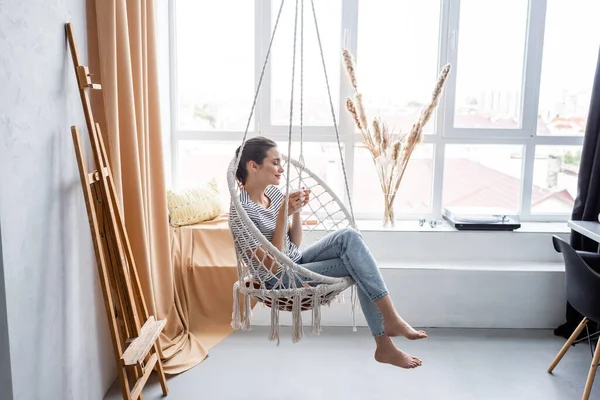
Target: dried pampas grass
x=390, y=152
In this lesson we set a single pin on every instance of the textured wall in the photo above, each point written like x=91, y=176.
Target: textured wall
x=5, y=375
x=59, y=342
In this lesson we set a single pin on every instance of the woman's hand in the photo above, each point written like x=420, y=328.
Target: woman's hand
x=296, y=200
x=306, y=196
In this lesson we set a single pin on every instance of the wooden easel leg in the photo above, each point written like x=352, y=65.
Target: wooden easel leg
x=124, y=383
x=110, y=267
x=130, y=266
x=592, y=374
x=136, y=351
x=121, y=228
x=103, y=272
x=160, y=370
x=138, y=373
x=568, y=344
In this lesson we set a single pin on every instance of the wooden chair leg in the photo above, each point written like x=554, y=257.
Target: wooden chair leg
x=568, y=344
x=592, y=373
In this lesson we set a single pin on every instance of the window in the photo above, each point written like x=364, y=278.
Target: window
x=390, y=33
x=568, y=66
x=483, y=176
x=414, y=195
x=555, y=172
x=322, y=158
x=507, y=133
x=215, y=64
x=316, y=103
x=195, y=155
x=490, y=63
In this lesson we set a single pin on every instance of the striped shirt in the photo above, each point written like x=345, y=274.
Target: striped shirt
x=265, y=219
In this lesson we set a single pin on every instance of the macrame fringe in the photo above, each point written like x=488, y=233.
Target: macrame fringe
x=247, y=313
x=239, y=320
x=274, y=333
x=297, y=330
x=353, y=301
x=236, y=319
x=316, y=315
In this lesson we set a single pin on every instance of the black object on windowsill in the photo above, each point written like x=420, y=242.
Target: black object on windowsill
x=481, y=219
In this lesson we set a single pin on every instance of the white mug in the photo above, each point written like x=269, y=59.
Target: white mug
x=302, y=197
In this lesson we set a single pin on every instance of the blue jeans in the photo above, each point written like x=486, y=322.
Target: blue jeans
x=344, y=253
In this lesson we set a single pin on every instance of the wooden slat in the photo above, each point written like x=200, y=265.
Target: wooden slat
x=137, y=389
x=97, y=241
x=122, y=229
x=113, y=219
x=121, y=254
x=82, y=74
x=115, y=287
x=140, y=346
x=160, y=370
x=72, y=45
x=100, y=259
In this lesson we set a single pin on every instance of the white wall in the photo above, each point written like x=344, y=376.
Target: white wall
x=441, y=277
x=5, y=375
x=59, y=342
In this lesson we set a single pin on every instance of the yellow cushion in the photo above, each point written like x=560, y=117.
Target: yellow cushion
x=191, y=206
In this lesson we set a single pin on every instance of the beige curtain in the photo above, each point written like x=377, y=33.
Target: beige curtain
x=122, y=51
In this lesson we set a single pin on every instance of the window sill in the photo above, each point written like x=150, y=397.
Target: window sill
x=413, y=226
x=477, y=266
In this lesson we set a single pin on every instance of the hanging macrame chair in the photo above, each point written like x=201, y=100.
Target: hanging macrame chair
x=297, y=289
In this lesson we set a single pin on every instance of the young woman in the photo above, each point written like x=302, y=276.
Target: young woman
x=341, y=253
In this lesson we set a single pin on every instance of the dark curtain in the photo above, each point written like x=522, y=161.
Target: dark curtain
x=587, y=202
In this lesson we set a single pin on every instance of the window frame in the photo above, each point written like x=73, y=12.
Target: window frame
x=444, y=131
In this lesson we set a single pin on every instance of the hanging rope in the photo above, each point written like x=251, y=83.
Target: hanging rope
x=295, y=288
x=335, y=127
x=301, y=157
x=287, y=180
x=262, y=74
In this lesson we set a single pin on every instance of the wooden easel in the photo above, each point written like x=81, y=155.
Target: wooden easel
x=136, y=347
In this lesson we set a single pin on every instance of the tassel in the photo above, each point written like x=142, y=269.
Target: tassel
x=236, y=322
x=316, y=315
x=353, y=301
x=274, y=333
x=247, y=313
x=297, y=330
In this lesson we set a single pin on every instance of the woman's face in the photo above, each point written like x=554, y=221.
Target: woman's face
x=269, y=172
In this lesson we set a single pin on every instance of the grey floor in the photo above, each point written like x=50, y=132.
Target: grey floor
x=457, y=364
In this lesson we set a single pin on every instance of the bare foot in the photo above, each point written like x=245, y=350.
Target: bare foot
x=402, y=328
x=397, y=358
